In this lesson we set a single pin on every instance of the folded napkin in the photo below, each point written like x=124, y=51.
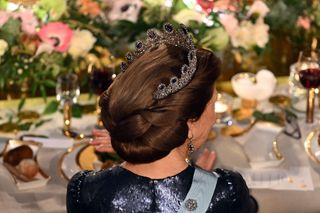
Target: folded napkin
x=293, y=178
x=56, y=143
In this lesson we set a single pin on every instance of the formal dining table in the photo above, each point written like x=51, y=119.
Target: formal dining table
x=52, y=197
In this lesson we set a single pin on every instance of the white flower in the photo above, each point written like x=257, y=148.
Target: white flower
x=124, y=10
x=260, y=33
x=81, y=43
x=3, y=47
x=258, y=7
x=248, y=35
x=185, y=16
x=242, y=36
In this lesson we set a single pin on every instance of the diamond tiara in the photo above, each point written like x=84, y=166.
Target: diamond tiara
x=179, y=38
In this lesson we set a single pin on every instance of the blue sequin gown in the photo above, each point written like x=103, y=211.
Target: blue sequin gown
x=119, y=190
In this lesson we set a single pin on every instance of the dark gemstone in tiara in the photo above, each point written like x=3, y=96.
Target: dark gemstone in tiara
x=123, y=66
x=129, y=57
x=161, y=86
x=173, y=80
x=168, y=28
x=170, y=36
x=184, y=29
x=184, y=69
x=151, y=34
x=139, y=45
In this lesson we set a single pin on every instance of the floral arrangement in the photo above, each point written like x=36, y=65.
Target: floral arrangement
x=39, y=39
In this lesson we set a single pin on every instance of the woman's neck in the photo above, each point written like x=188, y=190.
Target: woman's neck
x=170, y=165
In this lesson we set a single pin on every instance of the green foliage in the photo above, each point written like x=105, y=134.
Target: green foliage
x=270, y=117
x=20, y=65
x=21, y=104
x=51, y=107
x=10, y=30
x=76, y=111
x=3, y=4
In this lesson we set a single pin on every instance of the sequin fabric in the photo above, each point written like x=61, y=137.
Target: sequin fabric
x=119, y=190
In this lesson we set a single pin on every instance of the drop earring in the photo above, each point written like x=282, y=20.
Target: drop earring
x=190, y=150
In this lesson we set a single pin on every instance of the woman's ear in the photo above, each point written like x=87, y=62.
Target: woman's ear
x=191, y=127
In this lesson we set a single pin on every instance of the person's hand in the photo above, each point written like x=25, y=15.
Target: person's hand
x=206, y=159
x=101, y=140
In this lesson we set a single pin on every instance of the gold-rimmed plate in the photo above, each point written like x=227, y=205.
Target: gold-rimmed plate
x=40, y=179
x=68, y=165
x=312, y=145
x=84, y=157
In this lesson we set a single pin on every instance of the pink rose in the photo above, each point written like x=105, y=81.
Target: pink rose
x=4, y=16
x=229, y=22
x=258, y=7
x=28, y=21
x=56, y=35
x=206, y=5
x=230, y=5
x=303, y=22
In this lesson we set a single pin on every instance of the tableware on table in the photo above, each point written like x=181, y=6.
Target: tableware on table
x=90, y=159
x=236, y=130
x=281, y=101
x=68, y=164
x=56, y=143
x=259, y=87
x=100, y=80
x=309, y=76
x=84, y=157
x=312, y=145
x=19, y=168
x=261, y=145
x=67, y=92
x=223, y=107
x=67, y=88
x=296, y=90
x=242, y=84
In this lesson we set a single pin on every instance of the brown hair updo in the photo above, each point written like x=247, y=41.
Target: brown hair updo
x=143, y=129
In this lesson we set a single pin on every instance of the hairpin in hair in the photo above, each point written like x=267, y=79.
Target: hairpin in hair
x=179, y=38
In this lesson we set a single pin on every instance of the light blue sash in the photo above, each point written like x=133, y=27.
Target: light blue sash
x=201, y=191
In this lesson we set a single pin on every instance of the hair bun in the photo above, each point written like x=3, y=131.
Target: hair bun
x=130, y=128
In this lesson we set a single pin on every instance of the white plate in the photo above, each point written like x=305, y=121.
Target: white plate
x=69, y=165
x=260, y=145
x=312, y=146
x=41, y=178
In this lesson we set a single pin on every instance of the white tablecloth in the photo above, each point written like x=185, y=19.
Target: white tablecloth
x=51, y=198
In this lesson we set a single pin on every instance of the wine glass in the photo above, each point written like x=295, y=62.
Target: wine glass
x=67, y=92
x=67, y=89
x=309, y=76
x=100, y=80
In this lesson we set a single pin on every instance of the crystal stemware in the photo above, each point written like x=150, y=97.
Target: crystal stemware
x=100, y=80
x=309, y=76
x=67, y=92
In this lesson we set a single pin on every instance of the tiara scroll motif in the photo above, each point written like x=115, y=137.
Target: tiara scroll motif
x=179, y=38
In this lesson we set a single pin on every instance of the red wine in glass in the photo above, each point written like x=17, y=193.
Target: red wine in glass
x=310, y=78
x=101, y=79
